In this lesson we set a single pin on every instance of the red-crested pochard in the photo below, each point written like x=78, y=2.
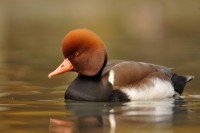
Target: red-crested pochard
x=117, y=80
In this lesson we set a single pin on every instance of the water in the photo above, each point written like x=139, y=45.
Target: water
x=160, y=32
x=39, y=114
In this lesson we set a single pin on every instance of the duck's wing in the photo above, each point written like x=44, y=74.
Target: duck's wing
x=110, y=65
x=130, y=73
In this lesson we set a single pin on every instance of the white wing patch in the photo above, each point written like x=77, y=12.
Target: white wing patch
x=160, y=89
x=111, y=77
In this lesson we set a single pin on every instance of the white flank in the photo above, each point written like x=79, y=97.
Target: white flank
x=111, y=77
x=159, y=90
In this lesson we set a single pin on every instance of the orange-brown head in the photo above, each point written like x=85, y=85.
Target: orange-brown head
x=84, y=52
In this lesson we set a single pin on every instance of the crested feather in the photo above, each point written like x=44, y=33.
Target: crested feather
x=91, y=51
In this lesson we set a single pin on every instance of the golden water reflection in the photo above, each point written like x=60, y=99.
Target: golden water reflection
x=143, y=116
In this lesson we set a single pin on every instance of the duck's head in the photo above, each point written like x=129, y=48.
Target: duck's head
x=84, y=52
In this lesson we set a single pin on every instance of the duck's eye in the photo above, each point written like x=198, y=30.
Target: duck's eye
x=76, y=53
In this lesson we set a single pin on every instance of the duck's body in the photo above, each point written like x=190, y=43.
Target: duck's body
x=98, y=80
x=115, y=84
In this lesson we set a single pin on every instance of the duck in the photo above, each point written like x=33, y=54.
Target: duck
x=100, y=80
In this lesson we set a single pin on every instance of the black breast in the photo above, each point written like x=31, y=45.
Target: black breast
x=87, y=88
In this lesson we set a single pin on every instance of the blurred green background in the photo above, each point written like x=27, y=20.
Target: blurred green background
x=164, y=32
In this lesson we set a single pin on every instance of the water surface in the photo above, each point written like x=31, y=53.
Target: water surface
x=161, y=32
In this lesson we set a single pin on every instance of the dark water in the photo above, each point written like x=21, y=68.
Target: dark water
x=31, y=33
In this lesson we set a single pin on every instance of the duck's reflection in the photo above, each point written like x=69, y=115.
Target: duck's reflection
x=86, y=118
x=60, y=126
x=89, y=117
x=149, y=111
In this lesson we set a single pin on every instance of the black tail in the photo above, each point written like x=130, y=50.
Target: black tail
x=179, y=82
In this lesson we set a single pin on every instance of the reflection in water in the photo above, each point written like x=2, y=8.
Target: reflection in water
x=107, y=117
x=155, y=110
x=87, y=115
x=60, y=126
x=112, y=121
